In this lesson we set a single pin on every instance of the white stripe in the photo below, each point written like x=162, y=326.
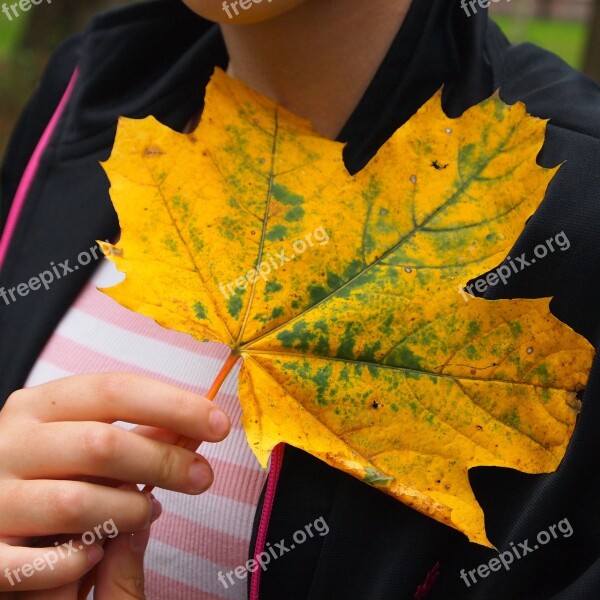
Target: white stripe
x=192, y=570
x=192, y=369
x=44, y=372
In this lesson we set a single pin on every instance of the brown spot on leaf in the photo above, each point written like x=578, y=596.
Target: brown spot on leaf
x=153, y=151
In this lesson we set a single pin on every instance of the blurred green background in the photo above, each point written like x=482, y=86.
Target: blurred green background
x=570, y=28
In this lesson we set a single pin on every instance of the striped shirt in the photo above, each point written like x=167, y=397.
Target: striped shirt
x=197, y=536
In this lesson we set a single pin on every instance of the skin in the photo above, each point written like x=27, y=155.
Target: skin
x=316, y=58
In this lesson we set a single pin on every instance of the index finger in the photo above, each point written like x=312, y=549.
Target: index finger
x=124, y=397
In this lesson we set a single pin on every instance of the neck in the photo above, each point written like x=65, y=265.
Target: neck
x=318, y=59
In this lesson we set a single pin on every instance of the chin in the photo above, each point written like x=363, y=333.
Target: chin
x=242, y=12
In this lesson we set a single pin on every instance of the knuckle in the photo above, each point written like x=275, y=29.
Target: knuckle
x=185, y=404
x=99, y=442
x=112, y=385
x=17, y=399
x=140, y=511
x=66, y=505
x=167, y=466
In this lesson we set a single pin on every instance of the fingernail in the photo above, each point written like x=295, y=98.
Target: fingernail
x=200, y=476
x=94, y=555
x=219, y=422
x=156, y=509
x=138, y=541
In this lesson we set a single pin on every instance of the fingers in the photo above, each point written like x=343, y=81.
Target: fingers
x=120, y=576
x=46, y=568
x=107, y=451
x=122, y=397
x=45, y=508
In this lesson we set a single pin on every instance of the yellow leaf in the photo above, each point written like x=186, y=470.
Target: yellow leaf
x=339, y=292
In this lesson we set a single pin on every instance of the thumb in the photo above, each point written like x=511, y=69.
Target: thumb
x=120, y=576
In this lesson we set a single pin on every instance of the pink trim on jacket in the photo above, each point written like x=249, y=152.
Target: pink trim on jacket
x=31, y=171
x=265, y=518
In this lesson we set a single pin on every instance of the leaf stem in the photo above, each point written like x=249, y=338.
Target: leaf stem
x=222, y=376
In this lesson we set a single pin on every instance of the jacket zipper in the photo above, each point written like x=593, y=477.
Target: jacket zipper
x=265, y=517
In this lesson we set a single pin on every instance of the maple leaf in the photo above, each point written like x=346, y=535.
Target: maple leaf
x=339, y=292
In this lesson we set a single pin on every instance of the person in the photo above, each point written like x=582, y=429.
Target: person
x=73, y=363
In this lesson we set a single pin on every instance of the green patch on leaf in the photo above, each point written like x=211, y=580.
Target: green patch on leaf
x=374, y=477
x=200, y=310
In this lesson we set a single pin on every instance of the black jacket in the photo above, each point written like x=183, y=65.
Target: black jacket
x=156, y=59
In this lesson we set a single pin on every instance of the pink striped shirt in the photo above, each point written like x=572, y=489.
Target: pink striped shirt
x=196, y=537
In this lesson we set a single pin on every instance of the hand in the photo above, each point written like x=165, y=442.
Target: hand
x=61, y=460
